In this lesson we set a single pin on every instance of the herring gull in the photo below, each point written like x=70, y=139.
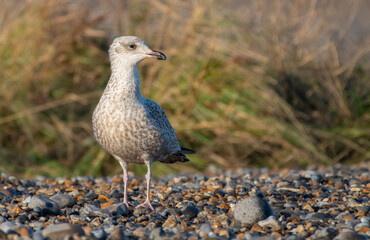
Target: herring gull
x=131, y=128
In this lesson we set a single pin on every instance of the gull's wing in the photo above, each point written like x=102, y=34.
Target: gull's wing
x=160, y=121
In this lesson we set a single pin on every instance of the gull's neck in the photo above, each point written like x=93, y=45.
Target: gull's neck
x=124, y=83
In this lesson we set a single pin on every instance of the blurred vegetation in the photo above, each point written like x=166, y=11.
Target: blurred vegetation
x=263, y=83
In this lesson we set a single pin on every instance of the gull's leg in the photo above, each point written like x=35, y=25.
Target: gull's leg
x=148, y=177
x=125, y=181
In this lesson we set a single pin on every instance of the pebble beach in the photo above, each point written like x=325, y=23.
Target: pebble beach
x=313, y=203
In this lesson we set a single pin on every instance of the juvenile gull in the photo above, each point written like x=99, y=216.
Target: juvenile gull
x=132, y=128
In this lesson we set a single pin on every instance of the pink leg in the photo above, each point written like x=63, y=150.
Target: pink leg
x=125, y=181
x=148, y=177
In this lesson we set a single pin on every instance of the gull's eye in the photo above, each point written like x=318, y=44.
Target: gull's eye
x=132, y=46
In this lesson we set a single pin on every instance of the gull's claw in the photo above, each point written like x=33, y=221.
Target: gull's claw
x=146, y=204
x=127, y=205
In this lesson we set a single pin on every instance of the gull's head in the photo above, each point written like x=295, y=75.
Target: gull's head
x=132, y=49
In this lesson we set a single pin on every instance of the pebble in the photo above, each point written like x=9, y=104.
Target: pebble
x=350, y=235
x=190, y=212
x=117, y=234
x=99, y=233
x=270, y=222
x=7, y=227
x=170, y=222
x=118, y=209
x=91, y=195
x=48, y=207
x=140, y=232
x=314, y=203
x=157, y=233
x=171, y=211
x=326, y=233
x=63, y=200
x=205, y=229
x=60, y=231
x=93, y=211
x=251, y=210
x=115, y=194
x=316, y=217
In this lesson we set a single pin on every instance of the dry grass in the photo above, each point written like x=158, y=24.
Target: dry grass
x=263, y=83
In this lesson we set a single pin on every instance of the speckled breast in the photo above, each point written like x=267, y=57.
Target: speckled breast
x=128, y=134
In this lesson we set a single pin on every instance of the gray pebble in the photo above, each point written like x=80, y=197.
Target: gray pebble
x=364, y=208
x=251, y=210
x=191, y=185
x=93, y=211
x=314, y=217
x=99, y=234
x=360, y=225
x=27, y=200
x=117, y=234
x=322, y=204
x=326, y=233
x=74, y=193
x=205, y=228
x=48, y=207
x=63, y=200
x=157, y=233
x=316, y=178
x=293, y=176
x=140, y=232
x=189, y=212
x=352, y=235
x=60, y=231
x=170, y=211
x=118, y=209
x=115, y=194
x=290, y=205
x=7, y=227
x=37, y=226
x=38, y=235
x=269, y=222
x=365, y=220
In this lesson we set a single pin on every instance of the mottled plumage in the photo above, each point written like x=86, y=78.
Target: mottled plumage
x=132, y=128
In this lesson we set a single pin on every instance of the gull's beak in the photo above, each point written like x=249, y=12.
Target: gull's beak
x=157, y=54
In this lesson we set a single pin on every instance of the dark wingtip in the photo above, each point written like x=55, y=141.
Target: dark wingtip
x=187, y=151
x=176, y=157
